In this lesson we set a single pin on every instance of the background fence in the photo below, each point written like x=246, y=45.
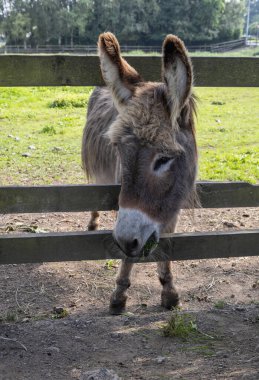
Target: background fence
x=73, y=70
x=92, y=49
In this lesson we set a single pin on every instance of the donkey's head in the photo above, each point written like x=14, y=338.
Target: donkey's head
x=154, y=138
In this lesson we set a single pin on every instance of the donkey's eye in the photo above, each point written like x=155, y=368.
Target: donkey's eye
x=163, y=163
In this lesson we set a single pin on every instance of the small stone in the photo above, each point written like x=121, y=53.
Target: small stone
x=240, y=308
x=160, y=359
x=75, y=373
x=245, y=215
x=11, y=136
x=116, y=335
x=52, y=349
x=25, y=320
x=229, y=224
x=32, y=147
x=17, y=138
x=99, y=374
x=26, y=154
x=218, y=121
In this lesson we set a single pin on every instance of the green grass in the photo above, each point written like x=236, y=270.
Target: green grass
x=228, y=134
x=220, y=304
x=51, y=120
x=180, y=326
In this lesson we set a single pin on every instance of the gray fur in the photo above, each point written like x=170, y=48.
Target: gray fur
x=148, y=145
x=98, y=155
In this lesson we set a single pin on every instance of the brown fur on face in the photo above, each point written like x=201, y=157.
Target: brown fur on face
x=147, y=116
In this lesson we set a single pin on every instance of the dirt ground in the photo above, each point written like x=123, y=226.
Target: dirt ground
x=220, y=296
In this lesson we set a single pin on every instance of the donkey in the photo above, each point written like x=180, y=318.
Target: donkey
x=141, y=135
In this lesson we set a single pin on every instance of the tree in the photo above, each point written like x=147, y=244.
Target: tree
x=192, y=20
x=134, y=22
x=232, y=20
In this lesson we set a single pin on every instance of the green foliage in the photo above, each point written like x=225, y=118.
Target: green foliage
x=111, y=264
x=232, y=20
x=219, y=304
x=50, y=130
x=73, y=100
x=40, y=22
x=180, y=325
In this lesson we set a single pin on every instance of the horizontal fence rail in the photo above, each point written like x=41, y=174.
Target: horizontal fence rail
x=75, y=198
x=55, y=247
x=67, y=70
x=92, y=49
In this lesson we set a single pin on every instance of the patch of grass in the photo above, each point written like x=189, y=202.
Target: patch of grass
x=111, y=264
x=180, y=325
x=9, y=316
x=69, y=100
x=49, y=130
x=59, y=313
x=220, y=304
x=228, y=134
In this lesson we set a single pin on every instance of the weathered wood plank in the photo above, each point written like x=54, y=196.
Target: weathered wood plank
x=76, y=198
x=70, y=198
x=67, y=70
x=55, y=247
x=228, y=194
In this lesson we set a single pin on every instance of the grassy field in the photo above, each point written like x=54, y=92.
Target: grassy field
x=41, y=129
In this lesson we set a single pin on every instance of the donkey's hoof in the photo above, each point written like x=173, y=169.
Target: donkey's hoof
x=92, y=227
x=170, y=299
x=117, y=307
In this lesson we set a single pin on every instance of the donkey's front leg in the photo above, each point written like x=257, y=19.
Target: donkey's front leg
x=169, y=295
x=94, y=221
x=119, y=297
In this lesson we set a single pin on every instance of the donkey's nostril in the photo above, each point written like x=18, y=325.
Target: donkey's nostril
x=135, y=244
x=129, y=247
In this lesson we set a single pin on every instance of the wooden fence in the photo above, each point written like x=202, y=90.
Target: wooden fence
x=79, y=71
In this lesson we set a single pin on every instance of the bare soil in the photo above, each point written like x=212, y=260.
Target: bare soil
x=221, y=296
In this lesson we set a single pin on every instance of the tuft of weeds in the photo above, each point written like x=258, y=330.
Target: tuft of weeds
x=180, y=325
x=59, y=312
x=69, y=100
x=49, y=130
x=111, y=264
x=220, y=304
x=9, y=316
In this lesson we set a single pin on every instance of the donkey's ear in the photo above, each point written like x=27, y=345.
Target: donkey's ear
x=177, y=73
x=118, y=75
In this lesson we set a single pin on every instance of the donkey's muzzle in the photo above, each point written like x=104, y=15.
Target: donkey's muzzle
x=134, y=248
x=135, y=233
